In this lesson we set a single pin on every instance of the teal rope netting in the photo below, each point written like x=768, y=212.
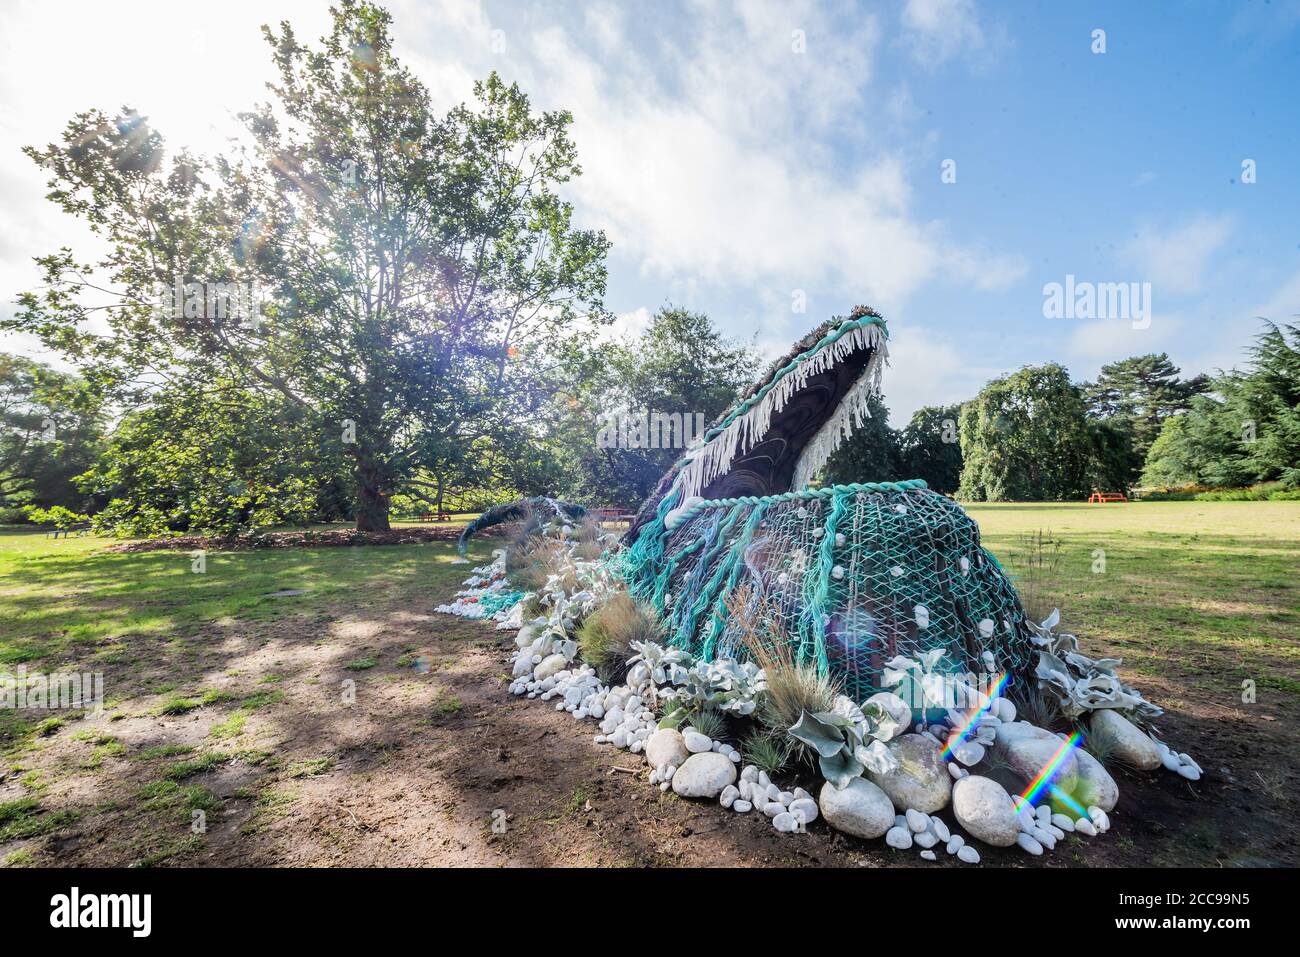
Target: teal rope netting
x=853, y=574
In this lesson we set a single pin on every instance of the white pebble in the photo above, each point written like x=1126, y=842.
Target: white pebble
x=1029, y=844
x=968, y=854
x=955, y=843
x=1064, y=822
x=1085, y=826
x=729, y=795
x=696, y=743
x=805, y=806
x=741, y=806
x=928, y=855
x=916, y=821
x=784, y=822
x=899, y=837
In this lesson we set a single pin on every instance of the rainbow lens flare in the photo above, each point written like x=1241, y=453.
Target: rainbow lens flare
x=1069, y=801
x=960, y=734
x=1044, y=778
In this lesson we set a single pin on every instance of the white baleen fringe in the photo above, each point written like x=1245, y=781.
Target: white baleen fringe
x=746, y=430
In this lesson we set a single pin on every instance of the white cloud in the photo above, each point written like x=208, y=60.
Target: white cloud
x=1174, y=259
x=937, y=30
x=712, y=166
x=927, y=368
x=625, y=324
x=1107, y=340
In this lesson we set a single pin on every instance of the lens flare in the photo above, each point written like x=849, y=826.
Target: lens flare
x=1069, y=801
x=960, y=734
x=1044, y=778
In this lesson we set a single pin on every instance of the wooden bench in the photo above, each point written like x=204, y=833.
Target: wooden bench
x=612, y=515
x=435, y=517
x=1101, y=497
x=81, y=529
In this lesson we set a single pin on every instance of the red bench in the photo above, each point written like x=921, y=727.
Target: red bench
x=1100, y=497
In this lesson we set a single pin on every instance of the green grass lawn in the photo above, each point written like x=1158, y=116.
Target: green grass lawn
x=71, y=600
x=1207, y=590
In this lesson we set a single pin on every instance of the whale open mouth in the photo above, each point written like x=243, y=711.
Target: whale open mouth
x=788, y=424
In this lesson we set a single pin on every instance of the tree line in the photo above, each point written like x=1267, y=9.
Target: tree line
x=1035, y=435
x=185, y=461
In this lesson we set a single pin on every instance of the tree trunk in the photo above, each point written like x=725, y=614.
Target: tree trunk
x=372, y=500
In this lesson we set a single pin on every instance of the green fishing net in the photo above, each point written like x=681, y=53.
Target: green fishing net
x=851, y=575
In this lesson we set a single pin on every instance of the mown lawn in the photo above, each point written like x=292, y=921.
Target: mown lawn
x=1209, y=591
x=70, y=599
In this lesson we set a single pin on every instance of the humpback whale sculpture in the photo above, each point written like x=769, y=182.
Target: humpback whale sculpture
x=856, y=574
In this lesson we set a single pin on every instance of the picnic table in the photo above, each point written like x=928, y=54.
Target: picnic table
x=1102, y=497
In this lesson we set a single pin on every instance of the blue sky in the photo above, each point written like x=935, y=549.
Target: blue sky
x=739, y=153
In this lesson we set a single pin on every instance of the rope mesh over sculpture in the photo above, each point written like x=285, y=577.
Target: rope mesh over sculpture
x=855, y=574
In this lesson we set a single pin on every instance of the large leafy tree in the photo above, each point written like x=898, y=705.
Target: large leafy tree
x=216, y=460
x=416, y=267
x=682, y=365
x=51, y=426
x=930, y=449
x=1139, y=393
x=1247, y=431
x=1025, y=437
x=870, y=454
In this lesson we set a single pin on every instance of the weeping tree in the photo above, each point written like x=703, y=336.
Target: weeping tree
x=1025, y=437
x=393, y=273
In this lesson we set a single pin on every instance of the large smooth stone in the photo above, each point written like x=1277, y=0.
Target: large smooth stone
x=704, y=775
x=1028, y=749
x=861, y=809
x=920, y=781
x=984, y=808
x=1113, y=732
x=550, y=666
x=666, y=747
x=1094, y=786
